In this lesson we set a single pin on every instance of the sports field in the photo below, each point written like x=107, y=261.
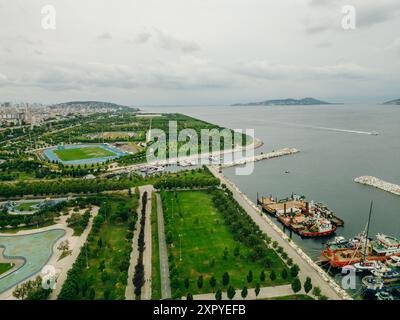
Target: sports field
x=83, y=153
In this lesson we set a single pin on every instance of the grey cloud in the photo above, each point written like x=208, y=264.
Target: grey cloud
x=104, y=36
x=377, y=13
x=142, y=37
x=187, y=74
x=168, y=42
x=270, y=71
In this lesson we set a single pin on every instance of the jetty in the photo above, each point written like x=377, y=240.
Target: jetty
x=262, y=156
x=378, y=183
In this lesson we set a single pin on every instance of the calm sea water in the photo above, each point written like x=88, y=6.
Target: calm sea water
x=328, y=162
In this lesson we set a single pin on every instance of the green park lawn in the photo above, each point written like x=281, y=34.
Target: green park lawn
x=4, y=267
x=83, y=153
x=26, y=206
x=113, y=238
x=204, y=237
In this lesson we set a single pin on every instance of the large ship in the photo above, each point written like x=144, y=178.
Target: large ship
x=308, y=219
x=380, y=249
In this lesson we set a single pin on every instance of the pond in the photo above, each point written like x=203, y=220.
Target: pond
x=35, y=249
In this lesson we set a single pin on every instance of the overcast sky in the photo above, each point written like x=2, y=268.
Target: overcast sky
x=199, y=51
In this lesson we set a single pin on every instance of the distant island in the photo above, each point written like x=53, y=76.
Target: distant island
x=285, y=102
x=95, y=105
x=393, y=102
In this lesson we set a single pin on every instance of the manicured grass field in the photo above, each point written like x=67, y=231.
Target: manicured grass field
x=4, y=267
x=200, y=237
x=83, y=153
x=26, y=206
x=155, y=252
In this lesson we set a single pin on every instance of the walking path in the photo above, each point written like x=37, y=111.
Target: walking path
x=76, y=244
x=129, y=290
x=165, y=284
x=146, y=290
x=265, y=293
x=307, y=267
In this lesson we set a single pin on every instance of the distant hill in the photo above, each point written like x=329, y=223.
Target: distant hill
x=393, y=102
x=95, y=105
x=285, y=102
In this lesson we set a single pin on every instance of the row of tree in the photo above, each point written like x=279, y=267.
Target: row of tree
x=138, y=277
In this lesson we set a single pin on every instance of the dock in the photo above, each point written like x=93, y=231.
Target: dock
x=378, y=183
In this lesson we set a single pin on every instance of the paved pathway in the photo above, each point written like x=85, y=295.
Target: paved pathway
x=129, y=290
x=146, y=290
x=65, y=264
x=165, y=284
x=267, y=292
x=307, y=266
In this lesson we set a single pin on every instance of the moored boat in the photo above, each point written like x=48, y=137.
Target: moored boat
x=305, y=218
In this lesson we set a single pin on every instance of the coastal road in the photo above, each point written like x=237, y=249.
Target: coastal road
x=307, y=268
x=165, y=284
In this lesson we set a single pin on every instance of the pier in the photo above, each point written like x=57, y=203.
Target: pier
x=378, y=183
x=263, y=156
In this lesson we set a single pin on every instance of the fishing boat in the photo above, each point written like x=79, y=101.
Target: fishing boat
x=366, y=266
x=385, y=273
x=372, y=283
x=394, y=261
x=365, y=252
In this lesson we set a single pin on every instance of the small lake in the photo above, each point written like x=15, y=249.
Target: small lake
x=35, y=249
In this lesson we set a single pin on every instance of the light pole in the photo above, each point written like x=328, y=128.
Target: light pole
x=180, y=247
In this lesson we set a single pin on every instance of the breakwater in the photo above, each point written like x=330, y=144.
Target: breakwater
x=263, y=156
x=378, y=183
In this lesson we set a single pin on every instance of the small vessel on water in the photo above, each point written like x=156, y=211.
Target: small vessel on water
x=385, y=273
x=308, y=219
x=383, y=295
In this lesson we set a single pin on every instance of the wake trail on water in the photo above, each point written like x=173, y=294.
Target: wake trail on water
x=329, y=129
